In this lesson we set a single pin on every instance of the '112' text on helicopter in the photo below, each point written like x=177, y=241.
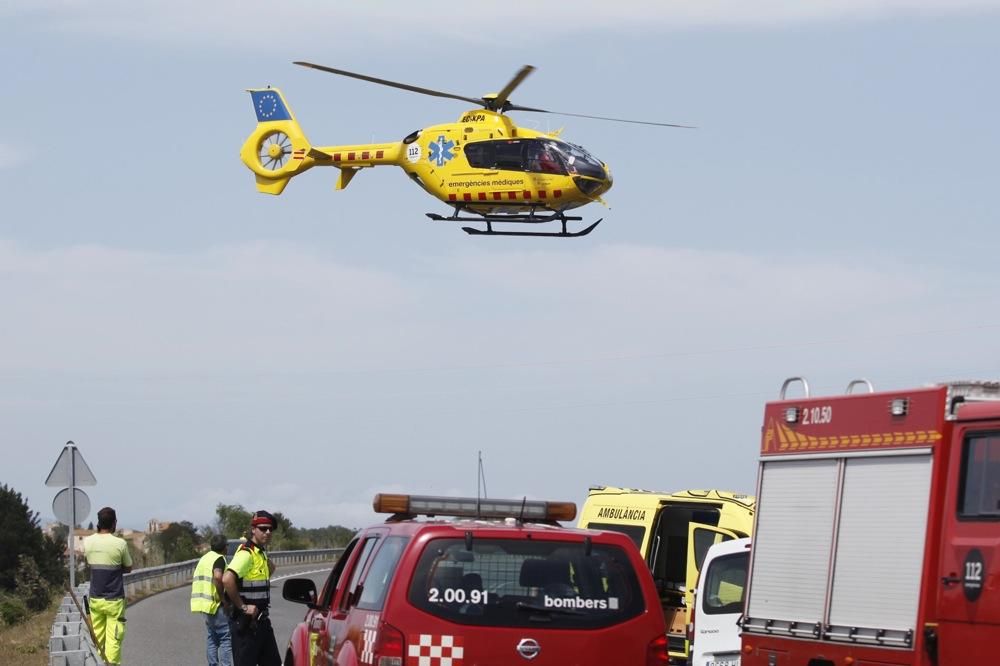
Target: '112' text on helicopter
x=483, y=165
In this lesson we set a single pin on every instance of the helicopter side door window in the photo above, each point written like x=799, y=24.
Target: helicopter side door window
x=509, y=155
x=481, y=155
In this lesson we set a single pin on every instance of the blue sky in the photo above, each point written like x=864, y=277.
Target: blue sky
x=833, y=216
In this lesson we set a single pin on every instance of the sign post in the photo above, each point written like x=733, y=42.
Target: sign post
x=71, y=505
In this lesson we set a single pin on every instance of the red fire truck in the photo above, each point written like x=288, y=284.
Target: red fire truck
x=877, y=538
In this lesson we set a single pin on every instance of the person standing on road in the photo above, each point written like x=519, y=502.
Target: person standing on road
x=108, y=558
x=208, y=597
x=247, y=583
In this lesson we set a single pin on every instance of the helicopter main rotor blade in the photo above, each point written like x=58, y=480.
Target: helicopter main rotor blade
x=502, y=96
x=515, y=107
x=391, y=84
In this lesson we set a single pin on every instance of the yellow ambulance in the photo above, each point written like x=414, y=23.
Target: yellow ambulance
x=673, y=532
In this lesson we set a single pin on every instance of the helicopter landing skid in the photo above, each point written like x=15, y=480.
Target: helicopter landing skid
x=530, y=218
x=489, y=231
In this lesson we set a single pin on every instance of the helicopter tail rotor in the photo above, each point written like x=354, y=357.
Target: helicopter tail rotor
x=277, y=149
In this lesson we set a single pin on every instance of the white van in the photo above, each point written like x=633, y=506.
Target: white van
x=718, y=605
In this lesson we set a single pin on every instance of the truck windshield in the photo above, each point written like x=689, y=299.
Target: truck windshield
x=521, y=583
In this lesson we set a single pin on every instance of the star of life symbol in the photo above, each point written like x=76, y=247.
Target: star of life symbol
x=440, y=151
x=272, y=105
x=429, y=650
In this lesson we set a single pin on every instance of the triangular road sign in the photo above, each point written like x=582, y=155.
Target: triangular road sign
x=69, y=464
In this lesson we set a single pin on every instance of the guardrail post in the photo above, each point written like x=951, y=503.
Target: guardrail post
x=70, y=643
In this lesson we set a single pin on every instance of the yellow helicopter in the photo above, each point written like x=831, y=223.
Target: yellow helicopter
x=483, y=165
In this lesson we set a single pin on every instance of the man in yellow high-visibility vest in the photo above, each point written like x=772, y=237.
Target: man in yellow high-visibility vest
x=108, y=559
x=248, y=585
x=208, y=597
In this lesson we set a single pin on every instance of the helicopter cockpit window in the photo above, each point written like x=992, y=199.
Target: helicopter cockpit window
x=579, y=162
x=544, y=157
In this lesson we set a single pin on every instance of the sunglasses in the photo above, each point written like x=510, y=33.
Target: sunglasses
x=264, y=528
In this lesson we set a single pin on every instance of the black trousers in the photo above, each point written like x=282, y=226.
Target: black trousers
x=255, y=645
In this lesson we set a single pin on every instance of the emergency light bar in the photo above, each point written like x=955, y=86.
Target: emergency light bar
x=471, y=507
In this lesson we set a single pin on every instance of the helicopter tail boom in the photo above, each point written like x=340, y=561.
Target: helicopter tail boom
x=277, y=149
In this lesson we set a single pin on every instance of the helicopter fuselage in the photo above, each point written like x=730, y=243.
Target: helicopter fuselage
x=486, y=164
x=481, y=163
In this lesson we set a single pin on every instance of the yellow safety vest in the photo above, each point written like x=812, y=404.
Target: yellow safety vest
x=250, y=564
x=204, y=595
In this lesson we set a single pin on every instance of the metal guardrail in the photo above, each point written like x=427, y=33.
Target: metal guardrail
x=70, y=643
x=142, y=582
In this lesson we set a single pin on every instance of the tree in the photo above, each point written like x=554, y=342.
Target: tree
x=20, y=534
x=233, y=520
x=285, y=536
x=179, y=542
x=31, y=587
x=144, y=556
x=60, y=533
x=331, y=536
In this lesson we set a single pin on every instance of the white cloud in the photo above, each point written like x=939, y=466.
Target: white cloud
x=256, y=24
x=278, y=307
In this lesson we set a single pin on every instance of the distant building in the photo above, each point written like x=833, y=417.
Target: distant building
x=157, y=526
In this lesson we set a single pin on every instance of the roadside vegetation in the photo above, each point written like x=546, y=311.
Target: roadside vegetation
x=27, y=643
x=34, y=573
x=31, y=572
x=182, y=541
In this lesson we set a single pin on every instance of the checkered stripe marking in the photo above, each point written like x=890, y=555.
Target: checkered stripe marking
x=368, y=646
x=430, y=650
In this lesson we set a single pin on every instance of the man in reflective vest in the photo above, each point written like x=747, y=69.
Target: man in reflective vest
x=108, y=558
x=207, y=595
x=248, y=585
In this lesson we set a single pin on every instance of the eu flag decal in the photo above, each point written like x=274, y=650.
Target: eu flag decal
x=269, y=106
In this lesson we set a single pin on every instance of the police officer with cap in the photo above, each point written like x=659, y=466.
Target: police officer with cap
x=247, y=581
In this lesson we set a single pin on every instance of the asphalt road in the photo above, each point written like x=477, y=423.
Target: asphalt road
x=162, y=631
